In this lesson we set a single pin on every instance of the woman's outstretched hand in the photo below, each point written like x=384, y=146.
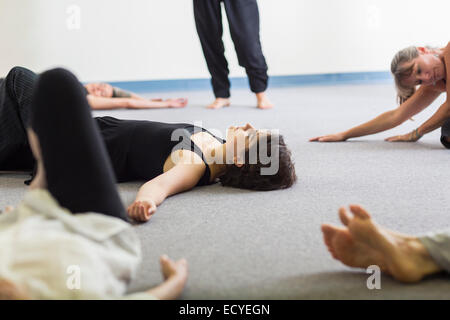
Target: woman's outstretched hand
x=409, y=137
x=142, y=210
x=330, y=138
x=177, y=103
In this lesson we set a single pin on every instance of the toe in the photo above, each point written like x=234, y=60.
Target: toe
x=359, y=211
x=343, y=215
x=328, y=233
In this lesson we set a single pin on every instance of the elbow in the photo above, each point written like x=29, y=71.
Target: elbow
x=127, y=103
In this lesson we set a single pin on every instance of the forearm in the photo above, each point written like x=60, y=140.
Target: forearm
x=102, y=103
x=381, y=123
x=146, y=104
x=436, y=121
x=151, y=190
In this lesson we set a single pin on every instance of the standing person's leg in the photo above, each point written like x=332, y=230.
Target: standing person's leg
x=445, y=134
x=15, y=104
x=76, y=166
x=243, y=18
x=208, y=21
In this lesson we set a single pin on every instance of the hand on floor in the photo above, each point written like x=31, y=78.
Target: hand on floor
x=409, y=137
x=177, y=103
x=175, y=275
x=329, y=138
x=142, y=211
x=173, y=269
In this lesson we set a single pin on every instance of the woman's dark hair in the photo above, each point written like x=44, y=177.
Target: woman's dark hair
x=249, y=175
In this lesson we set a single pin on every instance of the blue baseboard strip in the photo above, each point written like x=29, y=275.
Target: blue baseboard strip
x=274, y=82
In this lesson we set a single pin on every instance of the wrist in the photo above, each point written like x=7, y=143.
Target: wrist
x=416, y=134
x=345, y=135
x=143, y=198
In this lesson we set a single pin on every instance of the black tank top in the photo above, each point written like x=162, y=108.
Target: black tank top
x=138, y=149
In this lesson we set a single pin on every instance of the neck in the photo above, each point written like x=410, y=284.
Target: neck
x=216, y=160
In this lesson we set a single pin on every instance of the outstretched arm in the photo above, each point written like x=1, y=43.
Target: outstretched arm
x=104, y=103
x=436, y=121
x=180, y=178
x=421, y=99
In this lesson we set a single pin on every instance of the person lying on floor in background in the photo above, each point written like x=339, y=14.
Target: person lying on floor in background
x=104, y=96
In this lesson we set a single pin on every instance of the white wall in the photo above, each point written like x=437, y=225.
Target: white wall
x=122, y=40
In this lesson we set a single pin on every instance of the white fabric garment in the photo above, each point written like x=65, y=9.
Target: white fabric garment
x=53, y=254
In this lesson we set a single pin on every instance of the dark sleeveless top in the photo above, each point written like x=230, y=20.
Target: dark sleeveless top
x=138, y=149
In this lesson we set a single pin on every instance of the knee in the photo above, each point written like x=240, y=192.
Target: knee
x=19, y=79
x=445, y=134
x=56, y=74
x=445, y=129
x=57, y=78
x=18, y=71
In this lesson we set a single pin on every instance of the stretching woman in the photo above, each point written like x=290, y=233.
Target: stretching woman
x=362, y=243
x=411, y=67
x=172, y=157
x=49, y=253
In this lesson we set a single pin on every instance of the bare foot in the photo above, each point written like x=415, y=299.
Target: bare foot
x=177, y=103
x=263, y=101
x=175, y=277
x=219, y=103
x=362, y=243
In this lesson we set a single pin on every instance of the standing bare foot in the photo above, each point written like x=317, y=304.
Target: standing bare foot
x=361, y=243
x=263, y=101
x=175, y=277
x=219, y=103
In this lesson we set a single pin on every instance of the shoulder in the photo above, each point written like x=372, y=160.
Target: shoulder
x=439, y=87
x=186, y=157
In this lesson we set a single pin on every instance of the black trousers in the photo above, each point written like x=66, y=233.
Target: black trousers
x=78, y=172
x=445, y=133
x=15, y=104
x=243, y=19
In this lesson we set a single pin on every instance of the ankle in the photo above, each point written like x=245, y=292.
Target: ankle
x=260, y=95
x=422, y=257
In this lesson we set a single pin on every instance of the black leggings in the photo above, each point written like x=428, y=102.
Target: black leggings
x=445, y=133
x=15, y=105
x=243, y=20
x=77, y=168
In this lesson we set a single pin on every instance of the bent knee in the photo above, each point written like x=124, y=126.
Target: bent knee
x=18, y=71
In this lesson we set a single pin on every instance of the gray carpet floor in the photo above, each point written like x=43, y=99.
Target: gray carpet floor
x=268, y=245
